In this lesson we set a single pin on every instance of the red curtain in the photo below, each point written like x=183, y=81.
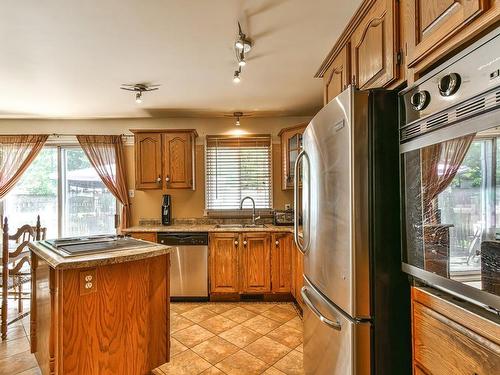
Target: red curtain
x=17, y=152
x=449, y=155
x=106, y=154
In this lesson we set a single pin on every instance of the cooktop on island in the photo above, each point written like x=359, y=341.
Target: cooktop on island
x=75, y=246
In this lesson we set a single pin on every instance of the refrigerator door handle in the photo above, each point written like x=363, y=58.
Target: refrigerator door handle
x=302, y=248
x=330, y=323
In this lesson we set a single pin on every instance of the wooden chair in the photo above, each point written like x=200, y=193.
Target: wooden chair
x=14, y=267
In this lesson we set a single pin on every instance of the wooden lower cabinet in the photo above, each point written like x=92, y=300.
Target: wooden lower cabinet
x=224, y=269
x=146, y=236
x=452, y=337
x=281, y=262
x=255, y=263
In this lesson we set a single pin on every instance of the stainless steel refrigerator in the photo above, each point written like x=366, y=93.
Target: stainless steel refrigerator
x=357, y=314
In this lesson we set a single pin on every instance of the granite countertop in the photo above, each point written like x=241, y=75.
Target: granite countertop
x=204, y=228
x=54, y=258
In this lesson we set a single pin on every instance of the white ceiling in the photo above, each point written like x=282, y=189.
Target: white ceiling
x=67, y=59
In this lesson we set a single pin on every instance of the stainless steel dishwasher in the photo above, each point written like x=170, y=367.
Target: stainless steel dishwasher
x=189, y=264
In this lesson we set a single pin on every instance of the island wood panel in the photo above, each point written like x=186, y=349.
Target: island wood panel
x=255, y=265
x=338, y=76
x=148, y=165
x=146, y=236
x=450, y=339
x=430, y=23
x=374, y=47
x=120, y=327
x=178, y=156
x=281, y=262
x=224, y=249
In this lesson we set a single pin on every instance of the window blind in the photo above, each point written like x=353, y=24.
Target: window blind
x=237, y=167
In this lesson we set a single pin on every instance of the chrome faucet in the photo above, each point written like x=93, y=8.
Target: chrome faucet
x=253, y=203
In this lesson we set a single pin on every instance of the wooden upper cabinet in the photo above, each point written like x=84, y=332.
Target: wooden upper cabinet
x=164, y=159
x=148, y=166
x=291, y=145
x=374, y=47
x=178, y=156
x=255, y=265
x=224, y=250
x=338, y=75
x=430, y=23
x=281, y=262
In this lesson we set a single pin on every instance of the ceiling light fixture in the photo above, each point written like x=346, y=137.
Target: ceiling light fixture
x=237, y=115
x=242, y=46
x=236, y=77
x=139, y=88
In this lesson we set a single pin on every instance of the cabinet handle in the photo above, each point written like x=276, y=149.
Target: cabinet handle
x=244, y=242
x=277, y=243
x=167, y=179
x=236, y=243
x=158, y=180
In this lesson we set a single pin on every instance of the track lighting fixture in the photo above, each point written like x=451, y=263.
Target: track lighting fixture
x=236, y=77
x=139, y=88
x=242, y=46
x=237, y=115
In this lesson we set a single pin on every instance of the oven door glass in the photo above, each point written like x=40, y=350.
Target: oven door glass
x=452, y=209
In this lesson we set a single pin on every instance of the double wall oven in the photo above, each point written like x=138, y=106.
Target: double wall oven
x=450, y=151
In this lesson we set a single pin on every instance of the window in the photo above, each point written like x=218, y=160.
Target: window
x=237, y=167
x=65, y=190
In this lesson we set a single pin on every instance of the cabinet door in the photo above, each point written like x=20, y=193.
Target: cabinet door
x=148, y=171
x=255, y=265
x=338, y=75
x=430, y=23
x=291, y=145
x=299, y=275
x=281, y=262
x=224, y=262
x=178, y=150
x=373, y=47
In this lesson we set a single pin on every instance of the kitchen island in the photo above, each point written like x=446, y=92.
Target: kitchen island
x=104, y=311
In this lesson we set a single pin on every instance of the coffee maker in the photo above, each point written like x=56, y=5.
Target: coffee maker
x=166, y=210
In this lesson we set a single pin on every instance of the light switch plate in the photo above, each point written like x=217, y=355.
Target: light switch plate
x=131, y=193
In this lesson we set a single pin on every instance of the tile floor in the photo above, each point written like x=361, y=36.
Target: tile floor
x=207, y=338
x=243, y=338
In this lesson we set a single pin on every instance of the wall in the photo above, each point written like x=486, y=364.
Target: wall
x=185, y=203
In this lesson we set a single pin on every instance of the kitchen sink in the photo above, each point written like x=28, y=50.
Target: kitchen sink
x=239, y=226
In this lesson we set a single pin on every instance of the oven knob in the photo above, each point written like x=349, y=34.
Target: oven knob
x=420, y=100
x=449, y=84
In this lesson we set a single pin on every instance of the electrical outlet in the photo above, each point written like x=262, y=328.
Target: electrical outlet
x=131, y=193
x=88, y=281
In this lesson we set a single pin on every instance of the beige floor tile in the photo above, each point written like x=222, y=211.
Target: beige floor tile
x=296, y=323
x=267, y=350
x=300, y=348
x=273, y=371
x=185, y=363
x=17, y=363
x=279, y=314
x=240, y=336
x=32, y=371
x=242, y=363
x=257, y=308
x=221, y=307
x=212, y=371
x=192, y=336
x=179, y=322
x=239, y=314
x=215, y=349
x=287, y=336
x=15, y=332
x=261, y=324
x=182, y=307
x=218, y=324
x=176, y=347
x=291, y=364
x=11, y=347
x=199, y=314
